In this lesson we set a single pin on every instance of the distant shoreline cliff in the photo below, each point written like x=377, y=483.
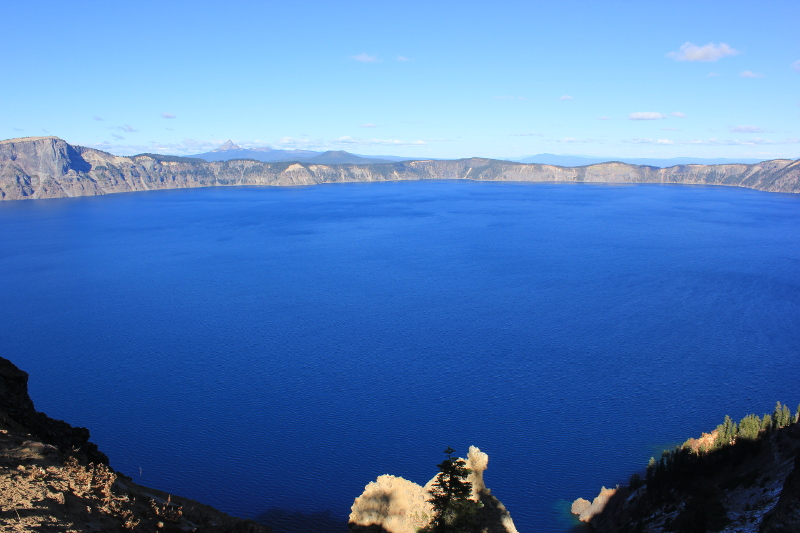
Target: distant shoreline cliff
x=49, y=167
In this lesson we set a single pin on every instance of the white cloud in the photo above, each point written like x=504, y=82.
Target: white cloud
x=574, y=140
x=99, y=119
x=404, y=59
x=527, y=134
x=796, y=66
x=678, y=114
x=604, y=118
x=710, y=52
x=168, y=115
x=128, y=128
x=565, y=97
x=365, y=58
x=748, y=74
x=746, y=129
x=368, y=125
x=715, y=142
x=348, y=141
x=712, y=75
x=646, y=115
x=118, y=137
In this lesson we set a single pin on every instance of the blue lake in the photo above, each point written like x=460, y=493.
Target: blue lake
x=270, y=351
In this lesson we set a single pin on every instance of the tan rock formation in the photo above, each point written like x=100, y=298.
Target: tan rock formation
x=392, y=504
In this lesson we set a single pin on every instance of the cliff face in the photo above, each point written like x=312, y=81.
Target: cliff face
x=49, y=167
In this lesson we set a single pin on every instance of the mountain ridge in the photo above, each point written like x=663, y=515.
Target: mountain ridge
x=577, y=160
x=229, y=151
x=49, y=167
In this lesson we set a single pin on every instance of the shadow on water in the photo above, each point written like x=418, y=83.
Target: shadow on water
x=285, y=521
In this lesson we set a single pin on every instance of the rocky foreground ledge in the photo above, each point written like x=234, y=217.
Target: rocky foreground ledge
x=52, y=479
x=49, y=167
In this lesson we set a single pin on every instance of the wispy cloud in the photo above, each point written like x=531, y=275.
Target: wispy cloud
x=349, y=141
x=99, y=119
x=710, y=52
x=574, y=140
x=677, y=114
x=714, y=142
x=746, y=129
x=749, y=74
x=365, y=58
x=796, y=66
x=117, y=137
x=646, y=115
x=604, y=118
x=565, y=97
x=712, y=75
x=527, y=134
x=508, y=98
x=670, y=129
x=404, y=59
x=168, y=115
x=128, y=128
x=367, y=125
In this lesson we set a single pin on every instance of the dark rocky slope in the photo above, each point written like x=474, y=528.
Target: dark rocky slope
x=747, y=487
x=52, y=479
x=49, y=167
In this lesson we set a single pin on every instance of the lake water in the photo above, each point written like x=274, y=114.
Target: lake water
x=270, y=351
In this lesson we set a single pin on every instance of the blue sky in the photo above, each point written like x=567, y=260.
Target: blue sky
x=439, y=79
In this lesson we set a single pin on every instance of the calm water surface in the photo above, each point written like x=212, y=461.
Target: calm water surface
x=271, y=351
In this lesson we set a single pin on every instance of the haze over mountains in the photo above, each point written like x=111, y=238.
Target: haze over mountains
x=229, y=151
x=577, y=161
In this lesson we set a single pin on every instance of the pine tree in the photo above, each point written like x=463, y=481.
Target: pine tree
x=780, y=416
x=749, y=427
x=725, y=432
x=453, y=511
x=783, y=416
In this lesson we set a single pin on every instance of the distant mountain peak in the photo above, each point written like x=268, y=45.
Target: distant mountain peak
x=228, y=146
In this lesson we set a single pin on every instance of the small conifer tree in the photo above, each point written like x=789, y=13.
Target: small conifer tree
x=453, y=510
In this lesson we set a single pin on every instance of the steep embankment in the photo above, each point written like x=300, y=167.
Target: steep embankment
x=53, y=479
x=49, y=167
x=745, y=486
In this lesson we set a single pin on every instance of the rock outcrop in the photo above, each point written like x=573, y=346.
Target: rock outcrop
x=49, y=167
x=17, y=407
x=395, y=505
x=53, y=479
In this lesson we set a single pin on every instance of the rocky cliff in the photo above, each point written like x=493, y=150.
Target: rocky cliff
x=747, y=487
x=49, y=167
x=52, y=479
